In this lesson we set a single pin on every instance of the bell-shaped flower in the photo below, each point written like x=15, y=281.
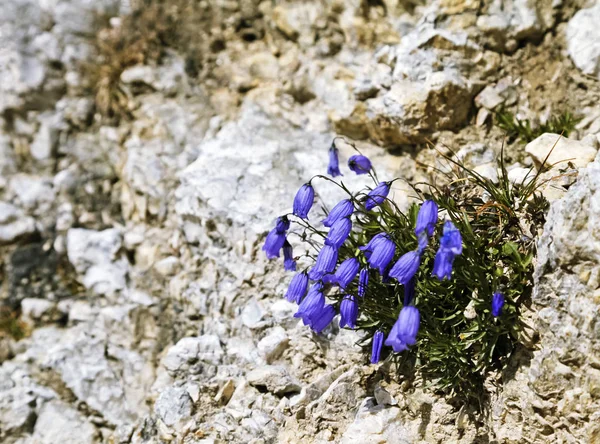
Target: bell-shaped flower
x=325, y=263
x=382, y=253
x=346, y=272
x=339, y=232
x=289, y=263
x=427, y=218
x=273, y=243
x=404, y=332
x=451, y=239
x=297, y=288
x=359, y=164
x=368, y=249
x=348, y=311
x=442, y=264
x=304, y=200
x=344, y=208
x=497, y=304
x=322, y=318
x=282, y=224
x=377, y=195
x=406, y=267
x=363, y=281
x=333, y=169
x=312, y=303
x=378, y=338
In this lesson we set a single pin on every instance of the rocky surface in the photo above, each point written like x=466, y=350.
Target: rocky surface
x=140, y=306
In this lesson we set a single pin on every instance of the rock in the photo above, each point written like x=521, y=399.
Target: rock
x=274, y=344
x=252, y=314
x=583, y=40
x=173, y=405
x=14, y=224
x=561, y=378
x=59, y=422
x=275, y=379
x=225, y=392
x=45, y=141
x=96, y=256
x=167, y=266
x=39, y=309
x=489, y=171
x=377, y=425
x=503, y=93
x=192, y=355
x=32, y=193
x=521, y=175
x=563, y=150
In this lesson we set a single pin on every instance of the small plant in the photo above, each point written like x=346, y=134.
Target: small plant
x=11, y=325
x=439, y=289
x=522, y=129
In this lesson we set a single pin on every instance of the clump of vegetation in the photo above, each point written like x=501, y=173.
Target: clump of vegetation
x=442, y=285
x=11, y=325
x=142, y=37
x=523, y=130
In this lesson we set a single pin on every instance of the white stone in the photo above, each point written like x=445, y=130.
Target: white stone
x=563, y=150
x=583, y=40
x=274, y=344
x=35, y=309
x=167, y=266
x=14, y=224
x=377, y=425
x=275, y=379
x=521, y=175
x=58, y=422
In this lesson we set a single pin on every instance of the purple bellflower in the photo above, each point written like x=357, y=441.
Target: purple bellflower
x=359, y=164
x=406, y=267
x=333, y=169
x=304, y=200
x=363, y=282
x=344, y=208
x=346, y=272
x=348, y=311
x=377, y=195
x=297, y=288
x=282, y=224
x=382, y=253
x=427, y=218
x=404, y=332
x=450, y=247
x=289, y=264
x=409, y=291
x=339, y=232
x=378, y=338
x=325, y=263
x=368, y=249
x=322, y=318
x=497, y=304
x=273, y=243
x=311, y=304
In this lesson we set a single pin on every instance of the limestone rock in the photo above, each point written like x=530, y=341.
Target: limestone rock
x=583, y=40
x=274, y=344
x=377, y=424
x=275, y=379
x=14, y=224
x=58, y=422
x=576, y=152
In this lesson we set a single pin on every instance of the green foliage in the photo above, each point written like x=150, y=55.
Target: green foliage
x=459, y=340
x=522, y=129
x=11, y=325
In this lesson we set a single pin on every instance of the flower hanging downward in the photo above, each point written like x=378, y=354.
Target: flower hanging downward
x=427, y=218
x=382, y=253
x=450, y=247
x=273, y=243
x=297, y=288
x=363, y=281
x=346, y=272
x=359, y=164
x=377, y=195
x=322, y=318
x=344, y=208
x=333, y=169
x=497, y=304
x=325, y=263
x=404, y=332
x=289, y=264
x=312, y=303
x=304, y=200
x=378, y=338
x=406, y=267
x=339, y=232
x=348, y=311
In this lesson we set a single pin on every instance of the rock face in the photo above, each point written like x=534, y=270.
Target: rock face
x=562, y=379
x=583, y=40
x=135, y=303
x=558, y=150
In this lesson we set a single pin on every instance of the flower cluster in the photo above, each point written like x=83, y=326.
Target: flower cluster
x=379, y=269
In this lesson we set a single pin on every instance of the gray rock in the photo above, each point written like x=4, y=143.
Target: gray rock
x=274, y=344
x=96, y=257
x=377, y=425
x=275, y=379
x=14, y=224
x=38, y=309
x=563, y=150
x=583, y=40
x=189, y=355
x=173, y=405
x=58, y=422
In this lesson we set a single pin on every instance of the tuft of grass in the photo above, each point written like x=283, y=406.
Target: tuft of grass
x=523, y=130
x=11, y=325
